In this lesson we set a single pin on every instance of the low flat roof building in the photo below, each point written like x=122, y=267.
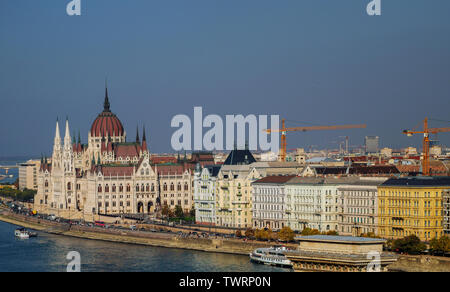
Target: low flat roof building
x=340, y=254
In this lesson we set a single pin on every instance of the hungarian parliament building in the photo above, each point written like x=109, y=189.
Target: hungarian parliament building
x=110, y=176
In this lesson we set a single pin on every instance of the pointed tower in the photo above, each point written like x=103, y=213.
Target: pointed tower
x=144, y=142
x=67, y=137
x=68, y=150
x=57, y=148
x=106, y=102
x=137, y=136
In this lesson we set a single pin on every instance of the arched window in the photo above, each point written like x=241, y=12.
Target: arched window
x=142, y=188
x=114, y=188
x=179, y=187
x=137, y=187
x=99, y=188
x=69, y=186
x=165, y=187
x=46, y=183
x=120, y=188
x=128, y=188
x=153, y=187
x=106, y=188
x=172, y=187
x=186, y=186
x=147, y=188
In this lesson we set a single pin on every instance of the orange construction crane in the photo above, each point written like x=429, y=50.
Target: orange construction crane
x=426, y=143
x=283, y=130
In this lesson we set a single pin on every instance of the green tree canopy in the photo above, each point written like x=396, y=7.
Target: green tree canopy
x=441, y=245
x=286, y=234
x=410, y=244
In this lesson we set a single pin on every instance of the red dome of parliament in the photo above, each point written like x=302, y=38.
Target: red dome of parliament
x=106, y=123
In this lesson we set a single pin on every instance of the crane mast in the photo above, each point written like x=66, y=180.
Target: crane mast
x=426, y=143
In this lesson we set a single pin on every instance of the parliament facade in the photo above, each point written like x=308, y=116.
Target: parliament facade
x=109, y=175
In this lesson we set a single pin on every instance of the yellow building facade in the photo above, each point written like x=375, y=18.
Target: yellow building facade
x=411, y=206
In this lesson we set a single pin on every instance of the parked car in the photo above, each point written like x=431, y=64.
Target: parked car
x=99, y=223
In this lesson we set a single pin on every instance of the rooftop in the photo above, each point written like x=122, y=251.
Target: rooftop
x=419, y=181
x=276, y=179
x=239, y=157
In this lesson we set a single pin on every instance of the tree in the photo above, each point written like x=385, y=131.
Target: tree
x=165, y=210
x=286, y=234
x=192, y=213
x=309, y=231
x=440, y=246
x=238, y=233
x=249, y=233
x=179, y=211
x=23, y=196
x=369, y=234
x=262, y=234
x=410, y=244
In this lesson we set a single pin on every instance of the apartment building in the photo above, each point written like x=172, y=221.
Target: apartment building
x=205, y=191
x=28, y=174
x=412, y=205
x=446, y=211
x=312, y=203
x=359, y=206
x=269, y=202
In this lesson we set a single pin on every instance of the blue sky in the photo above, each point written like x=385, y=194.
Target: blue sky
x=318, y=61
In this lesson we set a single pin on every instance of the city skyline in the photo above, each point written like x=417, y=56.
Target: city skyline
x=300, y=60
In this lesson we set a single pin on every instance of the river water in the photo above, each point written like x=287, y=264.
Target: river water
x=47, y=253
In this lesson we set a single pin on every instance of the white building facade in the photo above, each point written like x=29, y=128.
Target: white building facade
x=269, y=202
x=359, y=206
x=205, y=191
x=312, y=203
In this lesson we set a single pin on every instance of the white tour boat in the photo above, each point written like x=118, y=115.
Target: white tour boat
x=273, y=256
x=22, y=233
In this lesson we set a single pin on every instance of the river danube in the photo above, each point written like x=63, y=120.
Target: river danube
x=48, y=252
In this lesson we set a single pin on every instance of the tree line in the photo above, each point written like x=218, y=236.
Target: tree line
x=23, y=196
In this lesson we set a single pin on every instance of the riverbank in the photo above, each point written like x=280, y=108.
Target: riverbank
x=405, y=263
x=228, y=246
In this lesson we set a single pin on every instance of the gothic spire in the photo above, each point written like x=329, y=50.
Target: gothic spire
x=57, y=134
x=137, y=135
x=144, y=140
x=106, y=103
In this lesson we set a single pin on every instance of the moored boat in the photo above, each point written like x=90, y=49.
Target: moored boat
x=21, y=233
x=273, y=256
